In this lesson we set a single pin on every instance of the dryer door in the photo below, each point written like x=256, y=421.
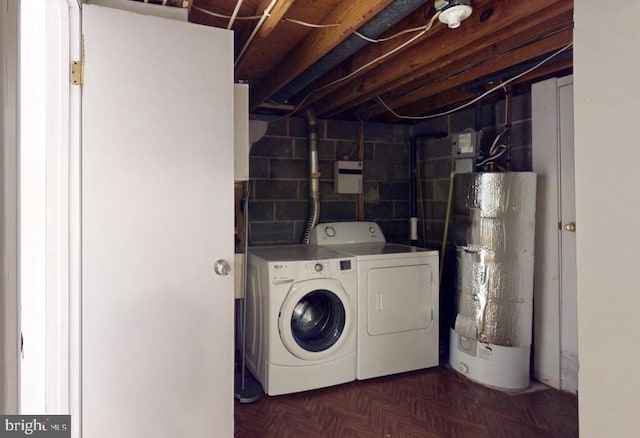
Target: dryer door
x=399, y=299
x=315, y=318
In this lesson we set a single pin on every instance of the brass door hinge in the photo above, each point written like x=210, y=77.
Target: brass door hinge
x=77, y=73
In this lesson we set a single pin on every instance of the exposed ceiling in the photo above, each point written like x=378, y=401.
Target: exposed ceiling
x=290, y=65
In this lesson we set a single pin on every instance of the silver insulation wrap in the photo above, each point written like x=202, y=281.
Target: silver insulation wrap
x=494, y=224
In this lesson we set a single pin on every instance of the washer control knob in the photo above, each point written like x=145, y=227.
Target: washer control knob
x=318, y=267
x=464, y=368
x=330, y=231
x=372, y=230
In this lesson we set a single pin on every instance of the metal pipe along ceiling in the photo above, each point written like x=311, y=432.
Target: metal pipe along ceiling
x=375, y=27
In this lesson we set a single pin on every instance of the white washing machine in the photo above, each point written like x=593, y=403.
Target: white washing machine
x=301, y=315
x=397, y=298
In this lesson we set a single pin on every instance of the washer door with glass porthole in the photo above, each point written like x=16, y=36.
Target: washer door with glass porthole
x=315, y=318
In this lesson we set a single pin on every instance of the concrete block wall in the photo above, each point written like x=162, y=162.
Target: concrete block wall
x=278, y=206
x=435, y=160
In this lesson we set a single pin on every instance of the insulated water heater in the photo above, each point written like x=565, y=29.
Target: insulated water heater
x=494, y=224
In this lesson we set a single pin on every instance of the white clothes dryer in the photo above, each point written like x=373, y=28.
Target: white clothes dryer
x=398, y=299
x=301, y=313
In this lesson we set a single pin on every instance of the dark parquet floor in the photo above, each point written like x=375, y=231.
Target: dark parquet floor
x=436, y=402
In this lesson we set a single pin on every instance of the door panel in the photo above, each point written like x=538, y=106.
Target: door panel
x=555, y=294
x=399, y=299
x=157, y=205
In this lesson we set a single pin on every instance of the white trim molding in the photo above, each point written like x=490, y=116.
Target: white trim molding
x=9, y=190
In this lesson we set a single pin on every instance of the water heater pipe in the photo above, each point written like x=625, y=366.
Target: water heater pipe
x=413, y=184
x=447, y=219
x=413, y=193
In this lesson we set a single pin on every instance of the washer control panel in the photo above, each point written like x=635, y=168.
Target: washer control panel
x=327, y=268
x=288, y=272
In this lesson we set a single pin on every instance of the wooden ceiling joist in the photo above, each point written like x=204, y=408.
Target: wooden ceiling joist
x=467, y=57
x=276, y=14
x=350, y=16
x=505, y=61
x=371, y=52
x=403, y=88
x=415, y=73
x=440, y=48
x=418, y=104
x=454, y=97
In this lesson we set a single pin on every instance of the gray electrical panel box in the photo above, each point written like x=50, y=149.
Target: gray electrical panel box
x=465, y=146
x=464, y=165
x=348, y=177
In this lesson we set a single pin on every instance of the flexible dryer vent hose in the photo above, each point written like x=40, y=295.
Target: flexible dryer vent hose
x=314, y=176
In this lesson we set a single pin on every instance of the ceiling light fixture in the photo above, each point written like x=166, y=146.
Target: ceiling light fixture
x=453, y=12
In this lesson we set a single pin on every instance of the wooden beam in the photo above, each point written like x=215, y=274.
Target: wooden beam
x=415, y=103
x=427, y=73
x=507, y=19
x=546, y=70
x=351, y=15
x=465, y=58
x=277, y=13
x=451, y=98
x=278, y=106
x=436, y=103
x=420, y=17
x=403, y=91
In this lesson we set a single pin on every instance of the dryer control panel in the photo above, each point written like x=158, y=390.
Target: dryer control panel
x=338, y=233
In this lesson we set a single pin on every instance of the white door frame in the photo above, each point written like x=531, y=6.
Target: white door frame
x=38, y=89
x=62, y=147
x=75, y=304
x=9, y=192
x=53, y=212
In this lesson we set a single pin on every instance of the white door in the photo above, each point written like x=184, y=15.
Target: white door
x=555, y=353
x=157, y=205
